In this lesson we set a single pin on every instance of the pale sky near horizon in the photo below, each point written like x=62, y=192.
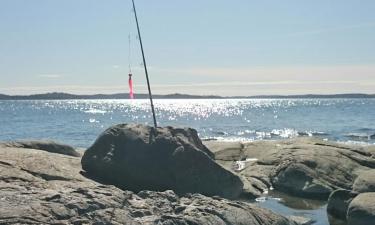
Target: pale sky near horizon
x=216, y=47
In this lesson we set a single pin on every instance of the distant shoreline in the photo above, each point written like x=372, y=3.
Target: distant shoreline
x=66, y=96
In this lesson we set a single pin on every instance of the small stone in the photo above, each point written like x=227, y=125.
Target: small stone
x=302, y=220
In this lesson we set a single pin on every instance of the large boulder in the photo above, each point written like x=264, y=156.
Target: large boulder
x=138, y=157
x=38, y=187
x=361, y=210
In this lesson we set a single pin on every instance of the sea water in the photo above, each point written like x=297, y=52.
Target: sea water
x=284, y=204
x=79, y=122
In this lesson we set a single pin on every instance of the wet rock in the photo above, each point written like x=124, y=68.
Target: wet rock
x=138, y=157
x=361, y=210
x=48, y=146
x=29, y=196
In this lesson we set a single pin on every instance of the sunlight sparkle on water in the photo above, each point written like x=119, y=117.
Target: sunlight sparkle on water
x=80, y=121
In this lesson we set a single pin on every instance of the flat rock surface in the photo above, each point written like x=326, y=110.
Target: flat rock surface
x=365, y=182
x=49, y=146
x=226, y=151
x=307, y=167
x=38, y=187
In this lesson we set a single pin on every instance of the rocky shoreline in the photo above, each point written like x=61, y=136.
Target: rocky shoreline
x=39, y=187
x=44, y=183
x=307, y=167
x=344, y=175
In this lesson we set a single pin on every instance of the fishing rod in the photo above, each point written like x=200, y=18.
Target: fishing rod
x=145, y=66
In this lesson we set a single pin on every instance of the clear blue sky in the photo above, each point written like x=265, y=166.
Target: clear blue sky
x=220, y=47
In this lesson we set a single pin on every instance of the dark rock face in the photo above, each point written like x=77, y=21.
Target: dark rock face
x=361, y=210
x=338, y=203
x=38, y=187
x=137, y=157
x=48, y=146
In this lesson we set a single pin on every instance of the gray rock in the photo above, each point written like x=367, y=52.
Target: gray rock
x=138, y=157
x=48, y=146
x=306, y=167
x=38, y=187
x=309, y=168
x=338, y=203
x=302, y=220
x=365, y=182
x=226, y=151
x=362, y=210
x=300, y=180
